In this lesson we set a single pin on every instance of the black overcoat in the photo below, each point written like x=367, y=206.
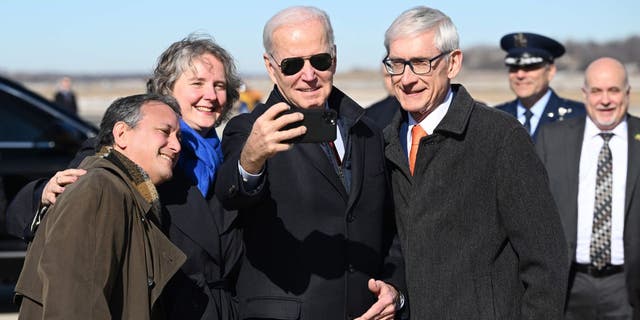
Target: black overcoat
x=310, y=245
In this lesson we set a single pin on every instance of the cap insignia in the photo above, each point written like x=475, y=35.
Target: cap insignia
x=520, y=40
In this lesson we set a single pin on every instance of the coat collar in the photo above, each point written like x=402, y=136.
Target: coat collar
x=166, y=257
x=348, y=110
x=633, y=171
x=454, y=123
x=99, y=162
x=350, y=115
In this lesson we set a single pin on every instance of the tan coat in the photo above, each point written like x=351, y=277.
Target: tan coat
x=97, y=255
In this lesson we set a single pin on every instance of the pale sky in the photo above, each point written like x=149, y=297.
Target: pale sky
x=116, y=36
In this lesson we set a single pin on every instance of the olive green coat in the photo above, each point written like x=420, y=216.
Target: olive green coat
x=97, y=255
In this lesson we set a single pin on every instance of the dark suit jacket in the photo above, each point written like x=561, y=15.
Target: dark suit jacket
x=383, y=111
x=204, y=286
x=480, y=234
x=66, y=101
x=552, y=111
x=310, y=245
x=559, y=147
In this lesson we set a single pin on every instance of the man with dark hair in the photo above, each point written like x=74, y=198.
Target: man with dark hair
x=530, y=59
x=100, y=252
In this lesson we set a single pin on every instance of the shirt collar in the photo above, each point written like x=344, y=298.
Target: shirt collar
x=538, y=108
x=591, y=130
x=431, y=121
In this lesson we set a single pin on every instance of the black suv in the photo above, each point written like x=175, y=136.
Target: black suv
x=37, y=138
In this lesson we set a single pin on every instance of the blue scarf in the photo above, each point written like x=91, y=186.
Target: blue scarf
x=200, y=156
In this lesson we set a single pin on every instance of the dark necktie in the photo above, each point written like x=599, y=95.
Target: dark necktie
x=334, y=151
x=600, y=249
x=527, y=120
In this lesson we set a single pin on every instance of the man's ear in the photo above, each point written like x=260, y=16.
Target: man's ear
x=455, y=63
x=271, y=67
x=120, y=135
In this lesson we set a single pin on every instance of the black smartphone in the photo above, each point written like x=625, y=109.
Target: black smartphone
x=320, y=123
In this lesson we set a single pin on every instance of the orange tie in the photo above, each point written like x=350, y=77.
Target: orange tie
x=417, y=133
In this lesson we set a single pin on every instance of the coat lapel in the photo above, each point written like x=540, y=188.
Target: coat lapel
x=357, y=168
x=633, y=170
x=512, y=108
x=573, y=142
x=393, y=150
x=549, y=114
x=318, y=159
x=190, y=213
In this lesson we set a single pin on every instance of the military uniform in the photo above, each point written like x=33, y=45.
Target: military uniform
x=557, y=109
x=530, y=51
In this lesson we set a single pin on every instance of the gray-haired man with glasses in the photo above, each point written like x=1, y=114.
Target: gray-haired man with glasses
x=478, y=227
x=419, y=66
x=316, y=217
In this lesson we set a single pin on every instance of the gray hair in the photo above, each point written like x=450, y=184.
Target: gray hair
x=297, y=15
x=422, y=19
x=179, y=57
x=127, y=110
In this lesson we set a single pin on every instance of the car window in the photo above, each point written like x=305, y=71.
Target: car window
x=20, y=121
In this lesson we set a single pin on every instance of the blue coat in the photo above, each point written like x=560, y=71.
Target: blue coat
x=557, y=109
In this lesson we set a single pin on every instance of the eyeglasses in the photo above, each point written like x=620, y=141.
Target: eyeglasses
x=291, y=66
x=419, y=66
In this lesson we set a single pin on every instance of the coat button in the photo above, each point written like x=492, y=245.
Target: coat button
x=350, y=268
x=150, y=282
x=350, y=217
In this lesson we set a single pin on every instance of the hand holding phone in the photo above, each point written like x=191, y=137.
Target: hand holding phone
x=320, y=124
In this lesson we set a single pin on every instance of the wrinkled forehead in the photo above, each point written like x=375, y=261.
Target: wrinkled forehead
x=301, y=39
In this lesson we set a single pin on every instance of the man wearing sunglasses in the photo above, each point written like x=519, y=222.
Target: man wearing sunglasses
x=478, y=228
x=316, y=217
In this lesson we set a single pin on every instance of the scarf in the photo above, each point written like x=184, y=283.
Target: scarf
x=137, y=175
x=200, y=157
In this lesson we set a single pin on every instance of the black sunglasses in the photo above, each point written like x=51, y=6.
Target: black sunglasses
x=291, y=66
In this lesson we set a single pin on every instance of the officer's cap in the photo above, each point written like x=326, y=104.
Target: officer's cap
x=527, y=49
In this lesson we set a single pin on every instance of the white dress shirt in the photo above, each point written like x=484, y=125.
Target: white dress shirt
x=591, y=145
x=431, y=121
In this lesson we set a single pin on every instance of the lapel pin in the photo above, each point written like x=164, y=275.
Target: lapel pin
x=637, y=137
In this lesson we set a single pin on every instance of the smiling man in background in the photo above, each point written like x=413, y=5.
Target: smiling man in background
x=594, y=176
x=530, y=59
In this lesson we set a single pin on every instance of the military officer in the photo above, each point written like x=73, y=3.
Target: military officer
x=530, y=59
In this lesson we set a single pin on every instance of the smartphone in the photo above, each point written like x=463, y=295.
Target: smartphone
x=320, y=123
